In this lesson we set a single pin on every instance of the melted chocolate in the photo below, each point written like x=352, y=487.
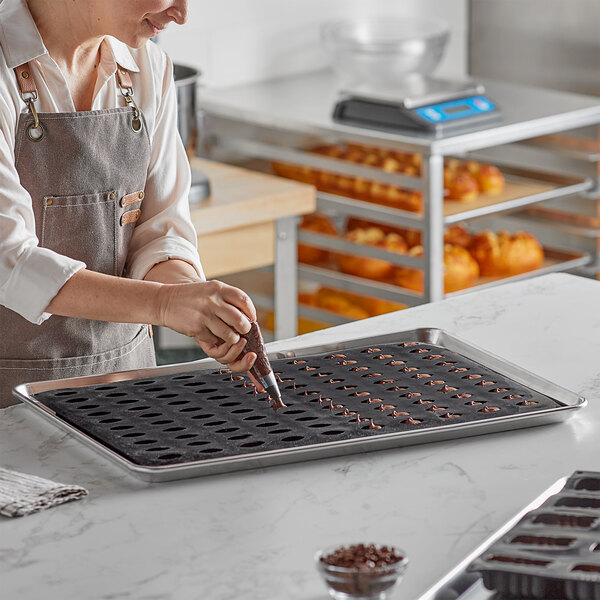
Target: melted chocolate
x=420, y=351
x=411, y=395
x=277, y=404
x=487, y=409
x=373, y=426
x=384, y=381
x=386, y=407
x=435, y=408
x=361, y=393
x=527, y=403
x=462, y=395
x=484, y=382
x=374, y=375
x=373, y=400
x=360, y=369
x=472, y=376
x=473, y=403
x=450, y=416
x=512, y=397
x=307, y=368
x=447, y=388
x=397, y=388
x=411, y=421
x=395, y=414
x=347, y=413
x=433, y=357
x=408, y=369
x=347, y=362
x=395, y=363
x=499, y=390
x=336, y=356
x=383, y=356
x=421, y=376
x=458, y=370
x=297, y=362
x=421, y=401
x=435, y=382
x=371, y=350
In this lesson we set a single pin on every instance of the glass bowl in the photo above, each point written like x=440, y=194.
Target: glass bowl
x=365, y=583
x=381, y=51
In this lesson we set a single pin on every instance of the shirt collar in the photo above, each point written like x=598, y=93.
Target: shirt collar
x=19, y=37
x=21, y=41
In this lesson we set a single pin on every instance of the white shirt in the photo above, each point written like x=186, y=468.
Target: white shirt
x=31, y=276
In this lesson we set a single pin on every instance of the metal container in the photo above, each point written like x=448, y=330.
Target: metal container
x=186, y=79
x=382, y=51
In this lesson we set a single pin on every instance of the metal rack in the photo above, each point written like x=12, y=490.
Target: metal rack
x=282, y=119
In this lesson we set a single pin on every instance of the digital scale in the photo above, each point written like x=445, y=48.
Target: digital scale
x=419, y=103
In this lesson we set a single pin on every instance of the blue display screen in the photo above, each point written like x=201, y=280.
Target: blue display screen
x=455, y=109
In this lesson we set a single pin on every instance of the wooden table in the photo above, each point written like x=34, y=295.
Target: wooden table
x=250, y=221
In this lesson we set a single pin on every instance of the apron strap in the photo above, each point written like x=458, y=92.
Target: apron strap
x=126, y=86
x=26, y=82
x=29, y=94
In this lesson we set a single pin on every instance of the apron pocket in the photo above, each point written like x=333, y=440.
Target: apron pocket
x=82, y=227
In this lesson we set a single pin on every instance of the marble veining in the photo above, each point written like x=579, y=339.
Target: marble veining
x=252, y=535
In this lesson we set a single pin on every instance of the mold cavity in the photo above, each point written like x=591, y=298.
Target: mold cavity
x=254, y=418
x=167, y=396
x=132, y=435
x=587, y=568
x=332, y=432
x=218, y=397
x=157, y=449
x=295, y=411
x=319, y=425
x=200, y=417
x=146, y=382
x=589, y=483
x=539, y=540
x=278, y=431
x=242, y=436
x=197, y=384
x=178, y=402
x=179, y=377
x=252, y=444
x=146, y=443
x=88, y=407
x=76, y=400
x=155, y=389
x=170, y=429
x=128, y=401
x=270, y=424
x=121, y=427
x=190, y=409
x=241, y=411
x=210, y=450
x=565, y=520
x=291, y=438
x=162, y=422
x=66, y=393
x=150, y=415
x=170, y=456
x=99, y=413
x=517, y=560
x=227, y=430
x=198, y=443
x=225, y=404
x=116, y=394
x=185, y=436
x=579, y=502
x=214, y=423
x=105, y=388
x=109, y=420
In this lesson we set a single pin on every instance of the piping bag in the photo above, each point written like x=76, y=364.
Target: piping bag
x=261, y=372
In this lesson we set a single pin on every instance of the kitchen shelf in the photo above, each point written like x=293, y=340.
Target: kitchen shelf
x=328, y=274
x=283, y=119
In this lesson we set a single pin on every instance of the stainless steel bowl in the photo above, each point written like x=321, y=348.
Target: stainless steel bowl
x=186, y=80
x=381, y=51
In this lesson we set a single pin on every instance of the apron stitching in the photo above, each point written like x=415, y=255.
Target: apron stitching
x=76, y=205
x=99, y=362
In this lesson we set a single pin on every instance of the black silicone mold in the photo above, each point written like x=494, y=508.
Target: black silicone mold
x=355, y=393
x=554, y=551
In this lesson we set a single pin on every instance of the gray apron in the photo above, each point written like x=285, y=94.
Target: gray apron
x=86, y=174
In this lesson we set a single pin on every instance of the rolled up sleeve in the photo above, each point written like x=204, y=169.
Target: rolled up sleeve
x=165, y=229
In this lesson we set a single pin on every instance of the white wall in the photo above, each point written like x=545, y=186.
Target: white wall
x=239, y=41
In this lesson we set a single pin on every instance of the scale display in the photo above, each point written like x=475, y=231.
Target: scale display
x=471, y=112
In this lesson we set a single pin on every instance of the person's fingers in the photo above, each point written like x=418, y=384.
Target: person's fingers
x=208, y=339
x=221, y=329
x=241, y=301
x=233, y=352
x=244, y=364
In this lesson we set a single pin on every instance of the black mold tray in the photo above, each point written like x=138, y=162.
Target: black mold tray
x=554, y=551
x=399, y=389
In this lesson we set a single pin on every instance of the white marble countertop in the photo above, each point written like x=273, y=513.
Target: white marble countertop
x=252, y=535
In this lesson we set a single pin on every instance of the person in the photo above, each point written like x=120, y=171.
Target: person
x=96, y=242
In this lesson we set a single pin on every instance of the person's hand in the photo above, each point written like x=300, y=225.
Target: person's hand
x=214, y=314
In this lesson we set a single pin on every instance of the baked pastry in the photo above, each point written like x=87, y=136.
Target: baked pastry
x=490, y=180
x=373, y=306
x=371, y=268
x=506, y=254
x=460, y=185
x=460, y=270
x=318, y=224
x=457, y=235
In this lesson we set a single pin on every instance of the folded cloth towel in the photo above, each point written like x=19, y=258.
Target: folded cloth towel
x=22, y=494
